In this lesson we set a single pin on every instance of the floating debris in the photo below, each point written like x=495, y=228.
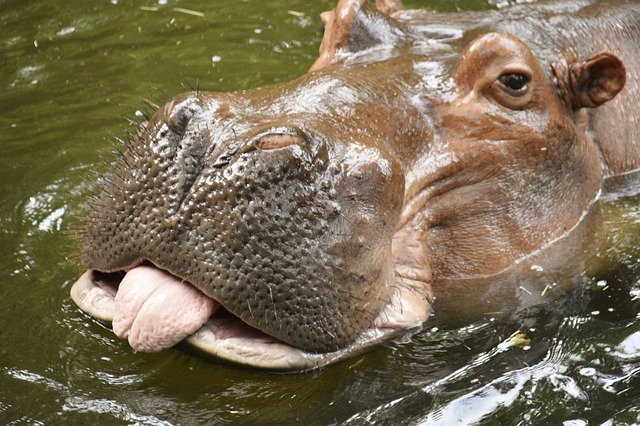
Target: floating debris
x=517, y=340
x=149, y=8
x=295, y=13
x=189, y=12
x=525, y=290
x=355, y=364
x=601, y=283
x=66, y=31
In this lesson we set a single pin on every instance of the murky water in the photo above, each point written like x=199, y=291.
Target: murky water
x=70, y=72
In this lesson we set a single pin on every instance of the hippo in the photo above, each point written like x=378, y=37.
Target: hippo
x=291, y=226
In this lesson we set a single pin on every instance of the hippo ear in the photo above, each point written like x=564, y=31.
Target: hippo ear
x=590, y=83
x=354, y=26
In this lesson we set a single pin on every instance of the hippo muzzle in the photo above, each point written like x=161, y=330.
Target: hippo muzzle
x=280, y=223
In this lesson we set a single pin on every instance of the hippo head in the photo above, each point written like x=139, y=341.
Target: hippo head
x=305, y=221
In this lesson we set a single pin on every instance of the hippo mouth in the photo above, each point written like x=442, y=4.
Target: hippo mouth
x=183, y=315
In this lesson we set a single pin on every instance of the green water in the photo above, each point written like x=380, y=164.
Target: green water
x=70, y=72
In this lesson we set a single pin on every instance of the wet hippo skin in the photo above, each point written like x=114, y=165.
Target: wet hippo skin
x=290, y=226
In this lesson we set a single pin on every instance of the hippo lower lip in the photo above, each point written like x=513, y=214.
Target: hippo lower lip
x=226, y=337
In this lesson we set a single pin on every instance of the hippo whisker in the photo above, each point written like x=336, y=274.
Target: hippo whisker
x=186, y=84
x=122, y=157
x=275, y=309
x=166, y=97
x=149, y=104
x=128, y=146
x=108, y=183
x=136, y=123
x=129, y=136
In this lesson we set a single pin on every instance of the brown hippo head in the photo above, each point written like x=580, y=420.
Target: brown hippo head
x=292, y=225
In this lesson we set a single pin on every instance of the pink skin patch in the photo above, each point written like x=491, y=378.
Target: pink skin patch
x=155, y=310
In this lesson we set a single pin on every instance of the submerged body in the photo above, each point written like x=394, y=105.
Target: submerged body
x=305, y=221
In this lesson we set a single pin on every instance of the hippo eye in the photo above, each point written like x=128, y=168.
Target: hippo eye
x=516, y=84
x=277, y=140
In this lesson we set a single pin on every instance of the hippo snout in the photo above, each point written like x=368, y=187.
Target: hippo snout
x=287, y=228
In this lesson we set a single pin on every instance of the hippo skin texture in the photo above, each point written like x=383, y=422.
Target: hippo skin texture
x=312, y=219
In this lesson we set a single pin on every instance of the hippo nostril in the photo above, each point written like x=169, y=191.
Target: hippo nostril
x=278, y=140
x=177, y=116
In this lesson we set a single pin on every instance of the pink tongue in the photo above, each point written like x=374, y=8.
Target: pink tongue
x=155, y=310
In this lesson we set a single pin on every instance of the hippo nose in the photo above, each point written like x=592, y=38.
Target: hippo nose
x=278, y=140
x=177, y=114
